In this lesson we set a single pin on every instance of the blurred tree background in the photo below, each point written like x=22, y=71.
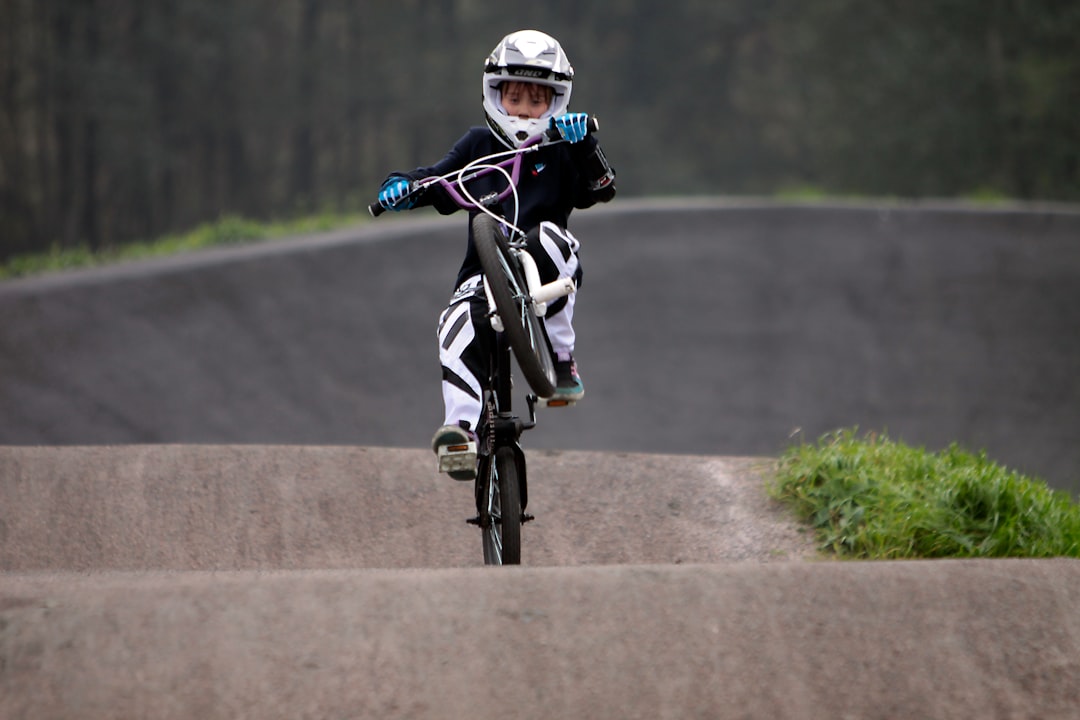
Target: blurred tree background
x=122, y=120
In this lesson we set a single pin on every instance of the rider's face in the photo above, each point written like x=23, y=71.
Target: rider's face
x=525, y=100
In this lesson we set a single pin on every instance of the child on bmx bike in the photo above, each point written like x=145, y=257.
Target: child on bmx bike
x=526, y=89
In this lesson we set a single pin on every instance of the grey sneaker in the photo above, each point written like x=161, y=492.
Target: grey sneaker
x=455, y=446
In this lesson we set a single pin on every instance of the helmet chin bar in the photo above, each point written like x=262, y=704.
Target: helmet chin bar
x=499, y=132
x=512, y=131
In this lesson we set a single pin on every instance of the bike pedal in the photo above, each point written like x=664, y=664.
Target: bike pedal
x=458, y=461
x=556, y=401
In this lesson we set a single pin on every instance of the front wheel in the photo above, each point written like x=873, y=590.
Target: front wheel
x=523, y=328
x=500, y=514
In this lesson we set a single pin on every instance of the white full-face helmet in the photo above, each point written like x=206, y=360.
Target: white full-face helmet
x=529, y=56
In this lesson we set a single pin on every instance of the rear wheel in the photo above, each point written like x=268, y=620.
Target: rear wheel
x=500, y=514
x=523, y=328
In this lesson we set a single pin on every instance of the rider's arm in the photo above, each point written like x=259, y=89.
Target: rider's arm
x=597, y=175
x=463, y=152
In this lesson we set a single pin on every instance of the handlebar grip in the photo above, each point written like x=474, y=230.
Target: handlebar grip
x=592, y=124
x=416, y=190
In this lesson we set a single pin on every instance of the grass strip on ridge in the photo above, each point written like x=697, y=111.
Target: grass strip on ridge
x=873, y=498
x=228, y=230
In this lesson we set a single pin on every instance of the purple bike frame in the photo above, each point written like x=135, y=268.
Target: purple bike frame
x=514, y=163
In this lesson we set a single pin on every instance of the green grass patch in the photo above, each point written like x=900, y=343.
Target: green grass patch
x=873, y=498
x=987, y=196
x=228, y=230
x=803, y=193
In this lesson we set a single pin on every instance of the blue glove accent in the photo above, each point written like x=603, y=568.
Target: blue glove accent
x=392, y=194
x=572, y=126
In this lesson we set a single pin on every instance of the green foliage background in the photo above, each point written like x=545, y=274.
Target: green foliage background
x=126, y=120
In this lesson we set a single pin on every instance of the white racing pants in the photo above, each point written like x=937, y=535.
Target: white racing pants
x=465, y=334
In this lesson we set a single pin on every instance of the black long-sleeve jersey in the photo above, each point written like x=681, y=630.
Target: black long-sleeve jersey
x=550, y=186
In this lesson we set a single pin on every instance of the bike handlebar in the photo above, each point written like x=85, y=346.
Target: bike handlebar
x=547, y=137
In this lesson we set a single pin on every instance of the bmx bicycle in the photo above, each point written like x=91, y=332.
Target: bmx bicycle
x=517, y=301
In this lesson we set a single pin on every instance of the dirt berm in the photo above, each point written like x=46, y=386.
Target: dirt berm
x=340, y=582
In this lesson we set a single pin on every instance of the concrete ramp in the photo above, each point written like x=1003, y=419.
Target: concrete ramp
x=341, y=582
x=213, y=507
x=738, y=640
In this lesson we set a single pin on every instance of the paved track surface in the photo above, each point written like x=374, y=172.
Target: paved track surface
x=218, y=507
x=309, y=563
x=706, y=328
x=326, y=582
x=855, y=640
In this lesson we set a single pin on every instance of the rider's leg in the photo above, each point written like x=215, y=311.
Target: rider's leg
x=463, y=353
x=555, y=251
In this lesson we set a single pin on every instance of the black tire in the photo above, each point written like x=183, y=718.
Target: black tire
x=510, y=504
x=500, y=510
x=524, y=330
x=487, y=504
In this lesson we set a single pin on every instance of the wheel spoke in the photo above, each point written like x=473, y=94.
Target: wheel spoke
x=493, y=531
